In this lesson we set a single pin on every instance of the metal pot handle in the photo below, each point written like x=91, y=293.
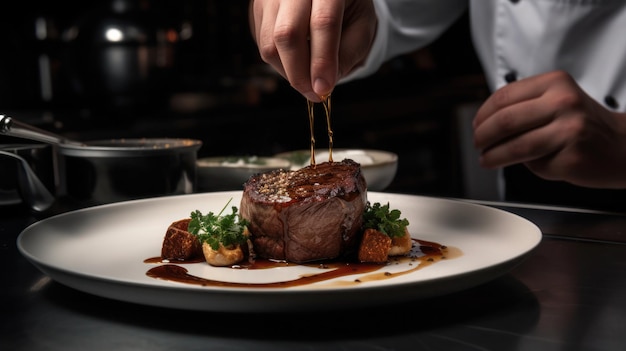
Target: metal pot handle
x=11, y=127
x=34, y=193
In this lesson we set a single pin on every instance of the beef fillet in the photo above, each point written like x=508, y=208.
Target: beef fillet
x=314, y=213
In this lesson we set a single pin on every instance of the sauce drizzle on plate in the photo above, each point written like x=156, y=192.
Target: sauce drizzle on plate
x=423, y=254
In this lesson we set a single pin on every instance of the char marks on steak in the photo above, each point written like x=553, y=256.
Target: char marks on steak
x=314, y=213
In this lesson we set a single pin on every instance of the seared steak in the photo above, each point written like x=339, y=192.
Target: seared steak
x=314, y=213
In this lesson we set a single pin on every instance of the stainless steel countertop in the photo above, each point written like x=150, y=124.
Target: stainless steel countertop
x=567, y=295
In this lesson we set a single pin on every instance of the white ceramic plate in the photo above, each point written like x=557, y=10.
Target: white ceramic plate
x=101, y=250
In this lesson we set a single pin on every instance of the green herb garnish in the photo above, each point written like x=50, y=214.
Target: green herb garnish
x=384, y=220
x=215, y=229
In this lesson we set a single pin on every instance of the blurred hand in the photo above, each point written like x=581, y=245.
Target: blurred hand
x=560, y=133
x=313, y=43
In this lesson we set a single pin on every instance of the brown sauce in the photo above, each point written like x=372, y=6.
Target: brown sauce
x=327, y=110
x=423, y=254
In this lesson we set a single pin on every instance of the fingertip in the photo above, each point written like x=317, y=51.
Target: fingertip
x=322, y=87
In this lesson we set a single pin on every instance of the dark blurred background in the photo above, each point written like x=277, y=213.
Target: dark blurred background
x=189, y=68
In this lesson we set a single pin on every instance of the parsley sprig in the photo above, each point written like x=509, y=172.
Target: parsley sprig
x=384, y=220
x=214, y=229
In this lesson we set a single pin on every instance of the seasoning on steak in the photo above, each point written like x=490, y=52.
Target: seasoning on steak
x=314, y=213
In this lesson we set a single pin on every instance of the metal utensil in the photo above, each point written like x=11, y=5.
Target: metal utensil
x=11, y=127
x=34, y=192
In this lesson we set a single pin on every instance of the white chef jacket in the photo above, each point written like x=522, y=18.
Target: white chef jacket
x=515, y=39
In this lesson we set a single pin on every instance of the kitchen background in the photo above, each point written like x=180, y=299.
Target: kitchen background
x=189, y=68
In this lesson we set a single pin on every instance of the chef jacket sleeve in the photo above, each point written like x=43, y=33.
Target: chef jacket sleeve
x=405, y=26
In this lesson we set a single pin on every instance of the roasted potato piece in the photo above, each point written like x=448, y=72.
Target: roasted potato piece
x=374, y=246
x=401, y=245
x=179, y=244
x=222, y=256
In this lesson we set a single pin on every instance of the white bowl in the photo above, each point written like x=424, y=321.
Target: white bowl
x=231, y=172
x=379, y=167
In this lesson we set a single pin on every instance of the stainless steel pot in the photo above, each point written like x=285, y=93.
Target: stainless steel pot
x=105, y=171
x=122, y=169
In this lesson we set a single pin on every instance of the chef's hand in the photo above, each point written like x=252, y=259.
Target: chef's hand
x=560, y=133
x=313, y=43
